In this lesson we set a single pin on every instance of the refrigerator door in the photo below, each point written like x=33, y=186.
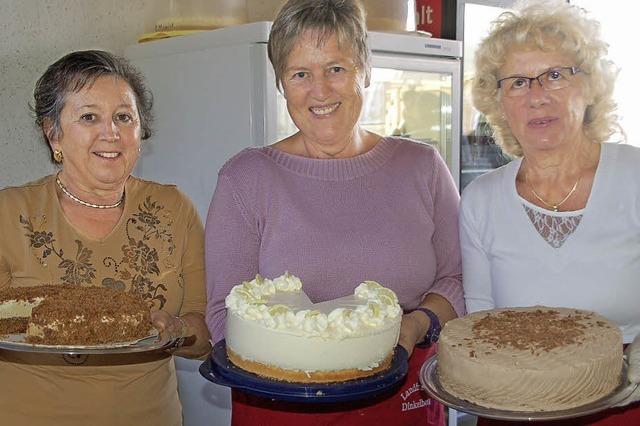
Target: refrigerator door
x=208, y=105
x=479, y=152
x=409, y=96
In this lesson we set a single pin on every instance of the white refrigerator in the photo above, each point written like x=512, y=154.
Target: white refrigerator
x=215, y=94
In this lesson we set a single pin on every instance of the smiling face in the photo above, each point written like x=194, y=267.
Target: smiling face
x=100, y=136
x=541, y=119
x=323, y=86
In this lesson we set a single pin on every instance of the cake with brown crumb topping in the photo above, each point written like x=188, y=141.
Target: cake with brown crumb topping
x=70, y=315
x=530, y=359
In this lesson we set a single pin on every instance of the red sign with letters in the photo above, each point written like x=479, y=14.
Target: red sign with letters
x=429, y=16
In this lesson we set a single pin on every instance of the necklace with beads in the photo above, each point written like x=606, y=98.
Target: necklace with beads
x=66, y=192
x=556, y=206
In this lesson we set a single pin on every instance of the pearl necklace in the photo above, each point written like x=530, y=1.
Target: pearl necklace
x=556, y=206
x=86, y=203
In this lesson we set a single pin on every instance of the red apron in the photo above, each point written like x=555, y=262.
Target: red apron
x=408, y=406
x=623, y=416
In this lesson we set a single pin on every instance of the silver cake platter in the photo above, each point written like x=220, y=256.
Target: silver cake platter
x=431, y=383
x=153, y=342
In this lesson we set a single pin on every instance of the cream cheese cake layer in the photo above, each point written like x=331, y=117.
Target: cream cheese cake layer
x=530, y=359
x=272, y=327
x=16, y=304
x=19, y=301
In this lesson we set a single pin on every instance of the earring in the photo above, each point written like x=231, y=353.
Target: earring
x=57, y=156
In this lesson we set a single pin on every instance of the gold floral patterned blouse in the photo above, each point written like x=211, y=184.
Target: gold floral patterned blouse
x=156, y=250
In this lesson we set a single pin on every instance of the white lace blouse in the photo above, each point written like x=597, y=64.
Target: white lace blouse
x=553, y=227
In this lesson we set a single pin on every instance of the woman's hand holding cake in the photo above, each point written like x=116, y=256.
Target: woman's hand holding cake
x=189, y=330
x=632, y=354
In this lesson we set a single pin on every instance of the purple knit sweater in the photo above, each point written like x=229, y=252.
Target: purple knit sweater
x=389, y=215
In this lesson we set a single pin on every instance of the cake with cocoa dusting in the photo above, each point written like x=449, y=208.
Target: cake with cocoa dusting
x=71, y=315
x=530, y=359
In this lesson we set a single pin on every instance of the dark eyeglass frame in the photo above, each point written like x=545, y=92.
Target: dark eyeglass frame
x=573, y=70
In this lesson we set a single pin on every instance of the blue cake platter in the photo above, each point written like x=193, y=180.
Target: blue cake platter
x=220, y=370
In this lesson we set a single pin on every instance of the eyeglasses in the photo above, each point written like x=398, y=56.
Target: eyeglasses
x=554, y=79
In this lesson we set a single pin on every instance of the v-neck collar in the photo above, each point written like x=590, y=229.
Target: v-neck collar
x=589, y=213
x=125, y=211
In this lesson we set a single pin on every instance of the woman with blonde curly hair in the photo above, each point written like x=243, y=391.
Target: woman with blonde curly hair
x=560, y=224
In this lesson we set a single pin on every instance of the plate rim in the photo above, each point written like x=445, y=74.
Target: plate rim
x=312, y=393
x=431, y=384
x=154, y=341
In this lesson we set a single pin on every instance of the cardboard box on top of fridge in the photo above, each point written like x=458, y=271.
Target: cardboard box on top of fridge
x=382, y=15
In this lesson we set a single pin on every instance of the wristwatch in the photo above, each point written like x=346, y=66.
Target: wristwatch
x=434, y=327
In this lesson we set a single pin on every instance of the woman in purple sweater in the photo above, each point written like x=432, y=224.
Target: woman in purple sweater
x=336, y=205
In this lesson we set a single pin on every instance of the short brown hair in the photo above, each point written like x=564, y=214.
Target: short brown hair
x=344, y=18
x=72, y=73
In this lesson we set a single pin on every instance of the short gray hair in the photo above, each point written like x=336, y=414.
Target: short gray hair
x=72, y=73
x=344, y=18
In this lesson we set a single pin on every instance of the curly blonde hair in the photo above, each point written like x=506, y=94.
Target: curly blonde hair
x=551, y=25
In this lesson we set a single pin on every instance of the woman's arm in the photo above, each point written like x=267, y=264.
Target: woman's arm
x=232, y=245
x=446, y=243
x=633, y=374
x=5, y=273
x=415, y=324
x=190, y=320
x=5, y=223
x=191, y=326
x=475, y=263
x=444, y=297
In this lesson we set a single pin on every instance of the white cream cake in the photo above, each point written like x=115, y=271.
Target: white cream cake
x=274, y=330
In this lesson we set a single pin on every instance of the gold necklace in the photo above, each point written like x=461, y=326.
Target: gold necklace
x=86, y=203
x=556, y=206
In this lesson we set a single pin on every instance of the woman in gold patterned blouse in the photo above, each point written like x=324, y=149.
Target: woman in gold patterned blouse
x=93, y=224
